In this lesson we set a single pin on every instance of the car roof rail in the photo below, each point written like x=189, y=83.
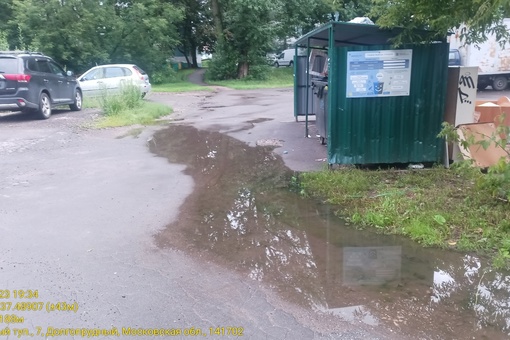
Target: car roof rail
x=21, y=52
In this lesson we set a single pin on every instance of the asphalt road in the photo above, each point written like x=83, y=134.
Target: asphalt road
x=79, y=209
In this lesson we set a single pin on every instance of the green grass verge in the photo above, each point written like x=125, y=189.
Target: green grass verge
x=126, y=108
x=145, y=114
x=180, y=87
x=435, y=207
x=278, y=78
x=180, y=84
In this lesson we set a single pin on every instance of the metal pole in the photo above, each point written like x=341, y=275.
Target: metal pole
x=307, y=84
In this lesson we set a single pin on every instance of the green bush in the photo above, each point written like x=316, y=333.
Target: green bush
x=222, y=67
x=164, y=75
x=259, y=70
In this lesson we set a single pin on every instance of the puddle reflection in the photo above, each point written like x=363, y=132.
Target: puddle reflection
x=242, y=215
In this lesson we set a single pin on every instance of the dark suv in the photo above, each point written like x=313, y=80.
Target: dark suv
x=32, y=82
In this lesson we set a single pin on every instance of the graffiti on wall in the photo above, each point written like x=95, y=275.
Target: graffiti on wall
x=467, y=88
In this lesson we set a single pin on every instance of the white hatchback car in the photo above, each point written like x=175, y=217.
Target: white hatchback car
x=111, y=78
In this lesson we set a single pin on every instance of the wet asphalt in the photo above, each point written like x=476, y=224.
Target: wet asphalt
x=80, y=210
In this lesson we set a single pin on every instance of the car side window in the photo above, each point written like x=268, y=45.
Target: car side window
x=43, y=65
x=113, y=72
x=55, y=69
x=32, y=65
x=95, y=74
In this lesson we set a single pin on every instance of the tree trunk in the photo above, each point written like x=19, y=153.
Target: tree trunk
x=194, y=62
x=242, y=70
x=218, y=22
x=186, y=54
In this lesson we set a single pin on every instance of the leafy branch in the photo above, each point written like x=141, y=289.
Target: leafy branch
x=497, y=177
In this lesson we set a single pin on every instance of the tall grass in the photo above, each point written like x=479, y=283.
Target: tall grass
x=126, y=107
x=128, y=98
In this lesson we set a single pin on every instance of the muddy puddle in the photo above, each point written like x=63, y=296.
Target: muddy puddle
x=243, y=216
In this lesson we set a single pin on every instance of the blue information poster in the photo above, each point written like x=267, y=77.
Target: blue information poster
x=384, y=73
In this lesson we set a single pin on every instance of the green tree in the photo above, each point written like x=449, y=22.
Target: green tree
x=83, y=33
x=481, y=16
x=7, y=34
x=347, y=10
x=303, y=16
x=246, y=30
x=196, y=30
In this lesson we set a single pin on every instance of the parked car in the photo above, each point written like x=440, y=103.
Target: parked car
x=111, y=78
x=286, y=58
x=454, y=58
x=33, y=82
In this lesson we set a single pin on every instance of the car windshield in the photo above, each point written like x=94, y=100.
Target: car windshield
x=8, y=65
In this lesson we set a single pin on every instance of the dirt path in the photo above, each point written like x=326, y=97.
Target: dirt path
x=197, y=77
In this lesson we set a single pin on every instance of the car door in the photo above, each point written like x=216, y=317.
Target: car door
x=66, y=84
x=50, y=81
x=281, y=61
x=285, y=59
x=92, y=82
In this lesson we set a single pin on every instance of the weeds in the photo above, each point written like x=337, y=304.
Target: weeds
x=127, y=108
x=497, y=179
x=435, y=207
x=129, y=98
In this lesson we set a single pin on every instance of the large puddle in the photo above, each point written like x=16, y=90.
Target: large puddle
x=242, y=215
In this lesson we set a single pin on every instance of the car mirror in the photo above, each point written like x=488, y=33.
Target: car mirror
x=70, y=73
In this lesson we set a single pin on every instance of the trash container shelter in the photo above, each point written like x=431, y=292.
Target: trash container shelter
x=385, y=104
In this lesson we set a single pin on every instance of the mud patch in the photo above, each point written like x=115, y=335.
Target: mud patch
x=243, y=216
x=259, y=120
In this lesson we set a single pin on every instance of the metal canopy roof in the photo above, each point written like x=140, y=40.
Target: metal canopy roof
x=348, y=34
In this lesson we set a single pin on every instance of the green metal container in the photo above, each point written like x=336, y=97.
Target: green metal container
x=380, y=129
x=399, y=129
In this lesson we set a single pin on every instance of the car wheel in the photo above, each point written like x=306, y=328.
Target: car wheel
x=76, y=106
x=499, y=83
x=276, y=64
x=291, y=64
x=44, y=110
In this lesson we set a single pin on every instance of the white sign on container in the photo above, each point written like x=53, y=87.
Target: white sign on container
x=382, y=73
